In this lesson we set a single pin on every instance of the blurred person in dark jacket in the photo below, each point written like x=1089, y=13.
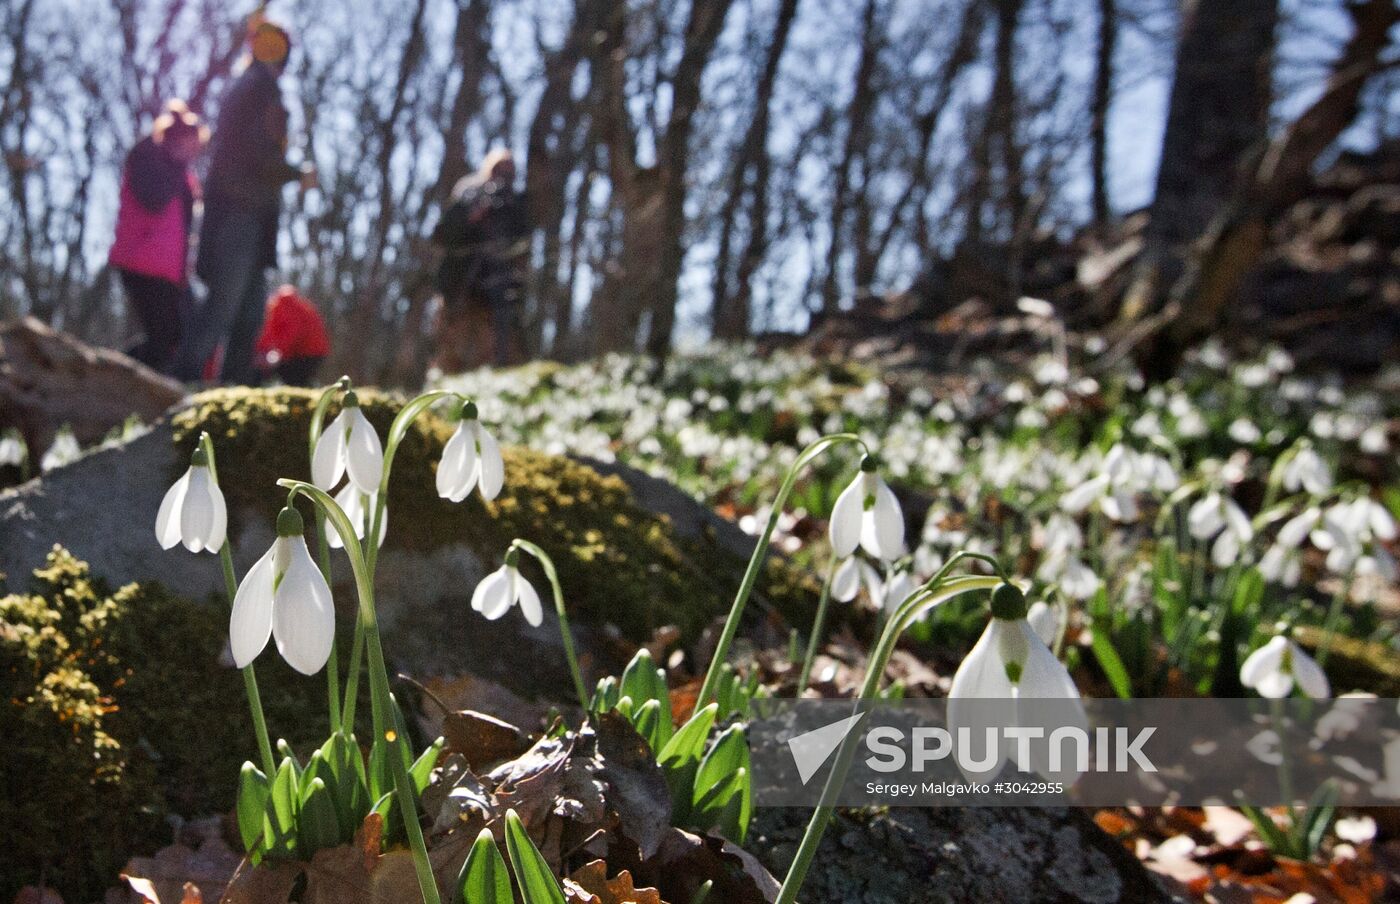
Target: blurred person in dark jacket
x=150, y=251
x=484, y=237
x=243, y=202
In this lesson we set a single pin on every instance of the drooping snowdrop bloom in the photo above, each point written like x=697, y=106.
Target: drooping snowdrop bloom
x=1062, y=542
x=12, y=450
x=65, y=449
x=505, y=587
x=1307, y=470
x=193, y=510
x=470, y=459
x=1352, y=534
x=1282, y=562
x=359, y=508
x=349, y=444
x=1217, y=516
x=1010, y=663
x=867, y=514
x=1273, y=669
x=899, y=583
x=284, y=596
x=1113, y=489
x=851, y=575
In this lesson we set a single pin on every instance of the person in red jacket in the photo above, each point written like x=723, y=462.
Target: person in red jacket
x=293, y=342
x=150, y=251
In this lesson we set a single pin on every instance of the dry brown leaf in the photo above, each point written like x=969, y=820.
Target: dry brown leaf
x=590, y=885
x=483, y=740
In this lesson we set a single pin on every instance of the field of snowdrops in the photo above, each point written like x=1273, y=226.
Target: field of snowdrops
x=1172, y=528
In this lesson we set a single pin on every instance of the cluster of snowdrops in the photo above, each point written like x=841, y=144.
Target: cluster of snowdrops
x=1136, y=510
x=286, y=595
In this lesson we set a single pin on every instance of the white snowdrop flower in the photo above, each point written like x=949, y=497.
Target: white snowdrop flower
x=1307, y=471
x=471, y=458
x=1077, y=580
x=1273, y=669
x=65, y=450
x=1244, y=431
x=1373, y=440
x=1282, y=563
x=505, y=587
x=1085, y=494
x=851, y=575
x=1218, y=516
x=358, y=508
x=1253, y=376
x=1355, y=829
x=1044, y=621
x=12, y=450
x=867, y=514
x=898, y=585
x=1010, y=662
x=193, y=510
x=348, y=444
x=285, y=596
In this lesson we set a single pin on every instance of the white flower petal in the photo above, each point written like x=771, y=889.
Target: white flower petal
x=846, y=518
x=328, y=459
x=250, y=625
x=845, y=584
x=882, y=529
x=982, y=675
x=218, y=531
x=1084, y=495
x=168, y=518
x=457, y=465
x=1312, y=680
x=197, y=512
x=493, y=467
x=1296, y=529
x=529, y=601
x=1044, y=621
x=1226, y=549
x=303, y=616
x=1263, y=662
x=1205, y=519
x=492, y=596
x=364, y=455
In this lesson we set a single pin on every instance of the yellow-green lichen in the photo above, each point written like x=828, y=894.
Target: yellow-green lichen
x=617, y=562
x=115, y=713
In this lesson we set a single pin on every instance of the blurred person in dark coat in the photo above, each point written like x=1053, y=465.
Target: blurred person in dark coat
x=243, y=202
x=484, y=237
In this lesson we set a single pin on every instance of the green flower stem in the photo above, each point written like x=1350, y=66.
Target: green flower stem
x=397, y=431
x=938, y=591
x=250, y=678
x=332, y=664
x=760, y=552
x=1334, y=615
x=548, y=565
x=379, y=684
x=318, y=418
x=818, y=624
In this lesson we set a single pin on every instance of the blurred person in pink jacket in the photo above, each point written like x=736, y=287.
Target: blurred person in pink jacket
x=154, y=220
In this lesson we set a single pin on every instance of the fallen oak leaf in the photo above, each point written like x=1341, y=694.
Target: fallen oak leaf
x=589, y=884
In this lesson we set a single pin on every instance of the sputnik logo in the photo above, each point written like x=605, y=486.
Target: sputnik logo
x=812, y=749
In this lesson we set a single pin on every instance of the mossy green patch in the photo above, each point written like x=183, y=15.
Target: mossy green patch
x=617, y=562
x=115, y=714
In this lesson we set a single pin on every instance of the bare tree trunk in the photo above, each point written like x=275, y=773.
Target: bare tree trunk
x=857, y=119
x=1236, y=237
x=367, y=312
x=1218, y=113
x=1098, y=109
x=730, y=314
x=701, y=32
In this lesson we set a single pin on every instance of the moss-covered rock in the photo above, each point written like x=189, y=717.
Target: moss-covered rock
x=618, y=562
x=116, y=714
